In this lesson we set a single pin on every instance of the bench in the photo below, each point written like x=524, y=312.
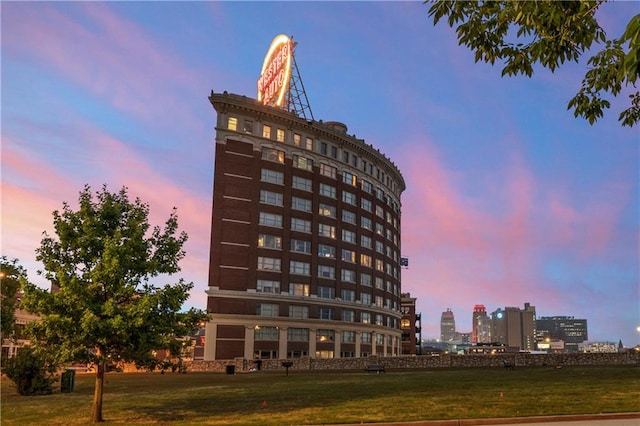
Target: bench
x=508, y=365
x=377, y=368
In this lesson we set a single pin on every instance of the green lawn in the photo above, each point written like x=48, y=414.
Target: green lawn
x=271, y=398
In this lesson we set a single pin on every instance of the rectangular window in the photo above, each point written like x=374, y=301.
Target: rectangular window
x=266, y=131
x=325, y=271
x=334, y=152
x=297, y=334
x=379, y=337
x=366, y=205
x=300, y=246
x=298, y=311
x=269, y=197
x=300, y=268
x=326, y=292
x=365, y=317
x=354, y=160
x=348, y=217
x=379, y=247
x=380, y=211
x=269, y=264
x=296, y=289
x=325, y=230
x=266, y=333
x=365, y=260
x=348, y=295
x=379, y=283
x=302, y=163
x=349, y=198
x=348, y=236
x=348, y=275
x=379, y=229
x=301, y=204
x=379, y=265
x=302, y=183
x=365, y=241
x=365, y=279
x=270, y=154
x=365, y=223
x=268, y=309
x=365, y=298
x=327, y=210
x=326, y=251
x=296, y=139
x=309, y=144
x=232, y=123
x=348, y=316
x=325, y=314
x=366, y=338
x=300, y=225
x=323, y=148
x=345, y=157
x=349, y=178
x=270, y=219
x=271, y=176
x=269, y=241
x=323, y=336
x=267, y=286
x=329, y=171
x=248, y=126
x=380, y=194
x=280, y=135
x=348, y=336
x=328, y=191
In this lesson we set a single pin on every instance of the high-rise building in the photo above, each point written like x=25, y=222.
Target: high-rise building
x=567, y=329
x=481, y=329
x=515, y=327
x=447, y=326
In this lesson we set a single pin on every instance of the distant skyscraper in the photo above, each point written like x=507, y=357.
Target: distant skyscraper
x=447, y=326
x=515, y=327
x=571, y=331
x=481, y=329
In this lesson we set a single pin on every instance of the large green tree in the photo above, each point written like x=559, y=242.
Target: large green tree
x=12, y=277
x=103, y=308
x=521, y=34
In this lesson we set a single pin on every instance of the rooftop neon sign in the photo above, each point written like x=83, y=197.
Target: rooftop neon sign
x=276, y=71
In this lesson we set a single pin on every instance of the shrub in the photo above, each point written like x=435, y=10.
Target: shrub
x=30, y=372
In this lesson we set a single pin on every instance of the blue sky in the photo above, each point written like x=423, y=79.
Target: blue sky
x=510, y=199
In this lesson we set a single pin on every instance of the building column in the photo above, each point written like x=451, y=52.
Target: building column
x=249, y=339
x=358, y=343
x=374, y=345
x=312, y=342
x=282, y=343
x=385, y=341
x=336, y=345
x=210, y=336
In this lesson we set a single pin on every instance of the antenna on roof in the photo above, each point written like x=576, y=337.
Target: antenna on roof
x=297, y=101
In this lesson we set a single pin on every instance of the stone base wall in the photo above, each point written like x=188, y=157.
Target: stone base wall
x=426, y=361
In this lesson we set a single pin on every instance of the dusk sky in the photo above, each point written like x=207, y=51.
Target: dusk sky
x=510, y=199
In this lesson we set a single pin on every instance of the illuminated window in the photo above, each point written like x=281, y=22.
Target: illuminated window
x=269, y=241
x=280, y=135
x=327, y=210
x=349, y=178
x=296, y=289
x=309, y=144
x=365, y=317
x=326, y=251
x=349, y=256
x=379, y=265
x=326, y=335
x=296, y=139
x=232, y=123
x=302, y=163
x=325, y=230
x=273, y=155
x=266, y=131
x=365, y=260
x=329, y=171
x=380, y=211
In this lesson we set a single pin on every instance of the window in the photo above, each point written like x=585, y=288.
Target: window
x=269, y=197
x=269, y=241
x=328, y=191
x=366, y=205
x=300, y=225
x=248, y=126
x=348, y=275
x=349, y=178
x=309, y=144
x=365, y=298
x=272, y=176
x=366, y=186
x=379, y=265
x=326, y=292
x=325, y=314
x=345, y=157
x=326, y=335
x=329, y=171
x=379, y=337
x=232, y=123
x=266, y=286
x=379, y=283
x=348, y=217
x=365, y=260
x=325, y=230
x=325, y=271
x=298, y=311
x=300, y=268
x=269, y=219
x=365, y=338
x=348, y=256
x=348, y=236
x=266, y=333
x=365, y=241
x=380, y=211
x=302, y=162
x=273, y=155
x=354, y=160
x=348, y=295
x=326, y=251
x=266, y=131
x=347, y=336
x=365, y=223
x=327, y=210
x=365, y=279
x=300, y=246
x=298, y=334
x=380, y=194
x=296, y=139
x=280, y=135
x=323, y=148
x=296, y=289
x=349, y=316
x=379, y=229
x=301, y=204
x=379, y=247
x=349, y=198
x=302, y=183
x=365, y=317
x=267, y=309
x=268, y=264
x=334, y=152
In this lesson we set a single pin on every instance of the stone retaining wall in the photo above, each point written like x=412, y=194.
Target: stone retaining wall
x=418, y=362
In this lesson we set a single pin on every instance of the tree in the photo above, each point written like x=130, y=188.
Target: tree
x=549, y=33
x=12, y=276
x=103, y=307
x=31, y=372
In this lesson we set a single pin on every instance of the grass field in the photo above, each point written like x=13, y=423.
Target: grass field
x=304, y=397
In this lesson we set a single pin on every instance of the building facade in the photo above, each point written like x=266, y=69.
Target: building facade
x=515, y=327
x=481, y=331
x=305, y=239
x=447, y=326
x=567, y=329
x=409, y=324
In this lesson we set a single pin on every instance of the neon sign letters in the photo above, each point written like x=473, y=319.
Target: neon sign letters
x=276, y=71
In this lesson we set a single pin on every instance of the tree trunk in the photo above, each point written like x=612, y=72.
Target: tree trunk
x=96, y=412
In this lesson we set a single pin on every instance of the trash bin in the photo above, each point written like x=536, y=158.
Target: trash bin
x=67, y=380
x=231, y=369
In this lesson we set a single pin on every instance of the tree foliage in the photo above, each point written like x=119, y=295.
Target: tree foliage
x=12, y=277
x=31, y=372
x=103, y=307
x=521, y=34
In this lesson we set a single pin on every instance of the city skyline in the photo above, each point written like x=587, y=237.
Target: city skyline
x=510, y=199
